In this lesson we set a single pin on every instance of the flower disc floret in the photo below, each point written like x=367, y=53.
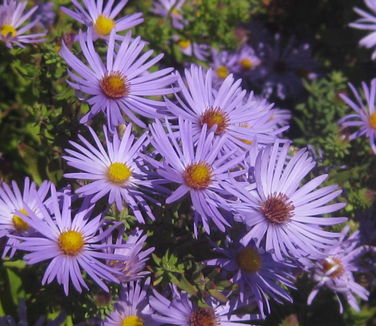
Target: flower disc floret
x=249, y=260
x=132, y=321
x=114, y=85
x=246, y=64
x=19, y=224
x=333, y=267
x=277, y=208
x=118, y=173
x=222, y=72
x=7, y=29
x=215, y=116
x=372, y=120
x=104, y=25
x=71, y=242
x=198, y=175
x=203, y=317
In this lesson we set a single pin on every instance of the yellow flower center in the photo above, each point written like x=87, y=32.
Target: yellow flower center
x=184, y=44
x=335, y=264
x=104, y=25
x=246, y=64
x=372, y=120
x=132, y=321
x=203, y=317
x=175, y=12
x=114, y=85
x=71, y=242
x=249, y=260
x=222, y=72
x=19, y=224
x=198, y=176
x=6, y=30
x=215, y=117
x=118, y=173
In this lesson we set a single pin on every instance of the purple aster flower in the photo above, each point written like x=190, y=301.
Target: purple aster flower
x=116, y=170
x=22, y=317
x=258, y=276
x=367, y=22
x=365, y=114
x=170, y=7
x=12, y=25
x=245, y=60
x=132, y=308
x=123, y=84
x=13, y=200
x=282, y=215
x=102, y=20
x=71, y=243
x=182, y=312
x=227, y=109
x=198, y=169
x=282, y=68
x=335, y=271
x=200, y=51
x=222, y=65
x=133, y=268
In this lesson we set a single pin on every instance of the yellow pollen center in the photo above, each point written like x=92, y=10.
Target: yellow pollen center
x=372, y=120
x=175, y=12
x=203, y=317
x=246, y=64
x=334, y=264
x=198, y=176
x=184, y=44
x=118, y=173
x=6, y=30
x=213, y=117
x=19, y=224
x=132, y=321
x=114, y=85
x=249, y=260
x=222, y=72
x=104, y=25
x=71, y=242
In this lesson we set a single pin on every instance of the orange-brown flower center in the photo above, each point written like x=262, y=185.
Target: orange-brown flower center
x=203, y=317
x=249, y=260
x=334, y=264
x=114, y=85
x=198, y=175
x=372, y=120
x=277, y=208
x=215, y=116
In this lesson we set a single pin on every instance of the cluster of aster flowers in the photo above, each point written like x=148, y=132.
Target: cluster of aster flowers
x=194, y=136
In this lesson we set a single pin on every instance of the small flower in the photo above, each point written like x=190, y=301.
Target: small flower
x=116, y=170
x=256, y=274
x=172, y=7
x=123, y=83
x=221, y=66
x=335, y=271
x=282, y=215
x=12, y=21
x=71, y=243
x=367, y=22
x=11, y=201
x=101, y=21
x=200, y=51
x=198, y=169
x=245, y=60
x=365, y=114
x=182, y=312
x=227, y=109
x=133, y=268
x=282, y=68
x=132, y=308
